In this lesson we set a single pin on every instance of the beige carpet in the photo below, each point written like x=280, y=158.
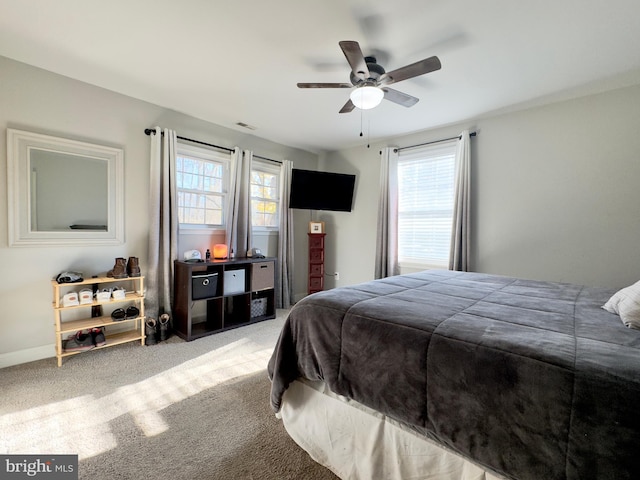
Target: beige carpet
x=181, y=410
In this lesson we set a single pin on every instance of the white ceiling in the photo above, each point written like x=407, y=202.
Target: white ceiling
x=239, y=61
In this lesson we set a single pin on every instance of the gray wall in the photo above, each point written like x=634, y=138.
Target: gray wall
x=40, y=101
x=555, y=194
x=554, y=189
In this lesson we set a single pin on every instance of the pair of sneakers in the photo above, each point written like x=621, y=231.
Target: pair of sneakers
x=81, y=341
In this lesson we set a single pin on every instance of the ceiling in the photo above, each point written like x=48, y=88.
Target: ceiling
x=228, y=62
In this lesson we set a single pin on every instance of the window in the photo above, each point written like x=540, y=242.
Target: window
x=425, y=205
x=201, y=186
x=265, y=192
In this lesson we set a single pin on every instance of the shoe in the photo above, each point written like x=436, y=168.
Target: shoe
x=164, y=327
x=86, y=296
x=118, y=315
x=78, y=342
x=103, y=295
x=96, y=311
x=133, y=268
x=70, y=299
x=118, y=293
x=119, y=269
x=97, y=334
x=150, y=331
x=131, y=313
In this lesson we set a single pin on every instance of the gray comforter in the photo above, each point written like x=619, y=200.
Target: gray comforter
x=533, y=380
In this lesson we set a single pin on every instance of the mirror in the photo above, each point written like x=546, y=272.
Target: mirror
x=63, y=192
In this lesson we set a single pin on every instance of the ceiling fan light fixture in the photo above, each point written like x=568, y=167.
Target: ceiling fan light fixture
x=366, y=97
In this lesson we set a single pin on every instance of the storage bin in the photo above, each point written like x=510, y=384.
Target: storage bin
x=262, y=276
x=258, y=307
x=204, y=285
x=234, y=282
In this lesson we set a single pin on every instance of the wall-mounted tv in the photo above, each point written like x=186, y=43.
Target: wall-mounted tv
x=312, y=190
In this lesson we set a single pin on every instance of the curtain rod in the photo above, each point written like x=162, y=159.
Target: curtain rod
x=268, y=159
x=472, y=134
x=149, y=131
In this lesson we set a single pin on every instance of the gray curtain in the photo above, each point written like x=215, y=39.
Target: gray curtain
x=284, y=274
x=163, y=230
x=386, y=240
x=460, y=244
x=238, y=220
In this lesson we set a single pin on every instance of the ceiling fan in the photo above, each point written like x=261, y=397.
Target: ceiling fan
x=369, y=80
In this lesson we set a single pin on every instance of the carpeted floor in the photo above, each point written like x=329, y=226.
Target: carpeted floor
x=181, y=410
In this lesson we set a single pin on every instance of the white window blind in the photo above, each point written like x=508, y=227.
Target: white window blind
x=425, y=204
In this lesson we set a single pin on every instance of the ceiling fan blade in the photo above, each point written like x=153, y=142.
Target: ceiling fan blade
x=398, y=97
x=324, y=85
x=419, y=68
x=356, y=60
x=348, y=107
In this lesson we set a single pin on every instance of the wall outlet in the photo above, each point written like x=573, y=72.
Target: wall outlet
x=337, y=275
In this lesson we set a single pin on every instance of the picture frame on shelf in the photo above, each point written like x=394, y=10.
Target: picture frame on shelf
x=316, y=227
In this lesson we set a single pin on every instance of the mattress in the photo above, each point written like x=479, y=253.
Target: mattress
x=531, y=380
x=358, y=443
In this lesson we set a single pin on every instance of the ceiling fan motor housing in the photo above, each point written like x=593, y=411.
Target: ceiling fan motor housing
x=375, y=72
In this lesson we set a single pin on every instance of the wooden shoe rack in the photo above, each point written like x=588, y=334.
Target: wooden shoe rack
x=71, y=319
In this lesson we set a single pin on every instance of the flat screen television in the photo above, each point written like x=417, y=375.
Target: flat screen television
x=312, y=190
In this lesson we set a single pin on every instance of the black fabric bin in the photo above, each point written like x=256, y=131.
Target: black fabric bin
x=204, y=285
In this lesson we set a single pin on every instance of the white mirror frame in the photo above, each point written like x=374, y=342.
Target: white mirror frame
x=19, y=145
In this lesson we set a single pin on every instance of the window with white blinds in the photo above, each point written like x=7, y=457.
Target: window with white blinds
x=202, y=182
x=425, y=205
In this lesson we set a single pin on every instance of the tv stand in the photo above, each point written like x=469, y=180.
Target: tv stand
x=213, y=296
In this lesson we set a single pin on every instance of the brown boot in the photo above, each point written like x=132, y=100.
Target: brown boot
x=133, y=268
x=119, y=269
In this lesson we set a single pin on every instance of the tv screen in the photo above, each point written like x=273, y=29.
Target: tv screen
x=312, y=190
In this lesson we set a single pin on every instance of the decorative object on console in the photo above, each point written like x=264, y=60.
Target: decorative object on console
x=220, y=251
x=254, y=253
x=192, y=255
x=316, y=227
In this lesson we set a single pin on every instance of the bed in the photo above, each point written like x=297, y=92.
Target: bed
x=505, y=377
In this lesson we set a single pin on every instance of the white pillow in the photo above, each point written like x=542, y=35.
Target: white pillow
x=626, y=303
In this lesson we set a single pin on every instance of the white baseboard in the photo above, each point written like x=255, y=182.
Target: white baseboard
x=27, y=355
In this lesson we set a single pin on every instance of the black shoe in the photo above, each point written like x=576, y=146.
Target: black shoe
x=98, y=336
x=164, y=327
x=78, y=342
x=150, y=331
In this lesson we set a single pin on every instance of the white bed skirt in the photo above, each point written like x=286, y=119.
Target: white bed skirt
x=358, y=443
